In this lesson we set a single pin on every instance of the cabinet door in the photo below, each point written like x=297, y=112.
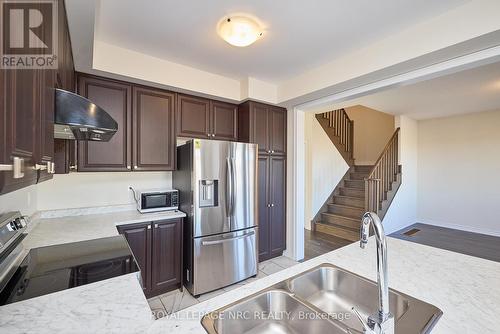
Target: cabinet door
x=167, y=255
x=115, y=98
x=277, y=194
x=277, y=133
x=19, y=125
x=224, y=120
x=260, y=126
x=139, y=240
x=154, y=131
x=263, y=198
x=45, y=148
x=193, y=117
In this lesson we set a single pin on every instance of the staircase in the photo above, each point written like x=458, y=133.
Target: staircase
x=363, y=188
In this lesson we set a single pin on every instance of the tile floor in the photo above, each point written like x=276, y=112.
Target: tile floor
x=175, y=300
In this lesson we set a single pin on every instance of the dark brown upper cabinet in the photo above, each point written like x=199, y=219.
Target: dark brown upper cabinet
x=27, y=112
x=193, y=116
x=203, y=118
x=116, y=98
x=153, y=129
x=264, y=125
x=145, y=140
x=224, y=120
x=157, y=249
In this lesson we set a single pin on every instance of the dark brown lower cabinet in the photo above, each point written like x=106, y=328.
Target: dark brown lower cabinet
x=157, y=249
x=272, y=206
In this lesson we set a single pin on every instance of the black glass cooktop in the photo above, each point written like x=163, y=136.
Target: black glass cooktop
x=54, y=268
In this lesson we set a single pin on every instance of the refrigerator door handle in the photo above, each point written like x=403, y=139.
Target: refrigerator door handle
x=229, y=187
x=216, y=242
x=233, y=187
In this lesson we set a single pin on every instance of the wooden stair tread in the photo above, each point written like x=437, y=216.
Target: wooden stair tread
x=339, y=231
x=340, y=216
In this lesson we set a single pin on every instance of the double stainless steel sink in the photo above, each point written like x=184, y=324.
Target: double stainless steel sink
x=319, y=301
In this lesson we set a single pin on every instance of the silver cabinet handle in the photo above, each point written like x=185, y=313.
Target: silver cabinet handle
x=156, y=225
x=215, y=242
x=268, y=205
x=73, y=167
x=128, y=167
x=213, y=134
x=272, y=204
x=135, y=167
x=51, y=167
x=17, y=168
x=209, y=135
x=40, y=167
x=149, y=227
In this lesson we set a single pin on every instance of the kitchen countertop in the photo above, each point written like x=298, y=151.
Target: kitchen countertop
x=115, y=305
x=65, y=229
x=465, y=288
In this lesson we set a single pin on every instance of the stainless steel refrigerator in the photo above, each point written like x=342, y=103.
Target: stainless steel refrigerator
x=217, y=183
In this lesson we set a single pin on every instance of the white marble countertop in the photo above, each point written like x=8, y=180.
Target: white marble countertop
x=465, y=288
x=115, y=305
x=65, y=229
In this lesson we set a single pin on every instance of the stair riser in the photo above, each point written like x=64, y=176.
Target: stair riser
x=358, y=184
x=338, y=232
x=352, y=192
x=340, y=221
x=355, y=213
x=351, y=201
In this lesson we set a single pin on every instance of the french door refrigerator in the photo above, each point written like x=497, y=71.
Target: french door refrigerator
x=217, y=183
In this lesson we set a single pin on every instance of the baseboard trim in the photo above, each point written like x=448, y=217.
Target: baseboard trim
x=460, y=227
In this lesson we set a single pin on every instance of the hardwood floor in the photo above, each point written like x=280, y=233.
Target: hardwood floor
x=474, y=244
x=317, y=243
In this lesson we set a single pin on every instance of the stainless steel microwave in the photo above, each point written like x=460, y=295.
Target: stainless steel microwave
x=157, y=200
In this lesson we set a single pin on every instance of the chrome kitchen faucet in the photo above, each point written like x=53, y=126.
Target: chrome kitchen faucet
x=381, y=322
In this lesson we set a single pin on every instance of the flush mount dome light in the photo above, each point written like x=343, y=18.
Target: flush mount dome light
x=239, y=30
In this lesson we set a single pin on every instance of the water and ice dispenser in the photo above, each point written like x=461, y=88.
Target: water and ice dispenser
x=209, y=193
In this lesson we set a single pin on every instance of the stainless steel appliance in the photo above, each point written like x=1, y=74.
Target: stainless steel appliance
x=217, y=184
x=153, y=200
x=50, y=269
x=12, y=231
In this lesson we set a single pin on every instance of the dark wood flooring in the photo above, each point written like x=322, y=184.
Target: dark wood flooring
x=474, y=244
x=317, y=243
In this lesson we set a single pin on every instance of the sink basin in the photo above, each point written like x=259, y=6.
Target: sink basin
x=319, y=301
x=336, y=291
x=274, y=311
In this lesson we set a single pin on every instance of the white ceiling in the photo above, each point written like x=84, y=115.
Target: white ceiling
x=468, y=91
x=299, y=35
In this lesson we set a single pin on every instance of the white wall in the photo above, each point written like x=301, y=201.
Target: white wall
x=77, y=190
x=459, y=172
x=324, y=167
x=372, y=131
x=403, y=210
x=80, y=190
x=23, y=200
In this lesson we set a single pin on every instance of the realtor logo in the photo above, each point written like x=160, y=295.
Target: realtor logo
x=29, y=34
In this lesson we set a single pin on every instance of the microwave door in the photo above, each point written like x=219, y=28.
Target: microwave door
x=209, y=184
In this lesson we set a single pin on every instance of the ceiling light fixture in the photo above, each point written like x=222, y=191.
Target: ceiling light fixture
x=239, y=30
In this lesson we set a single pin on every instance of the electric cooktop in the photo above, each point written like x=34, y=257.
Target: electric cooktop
x=54, y=268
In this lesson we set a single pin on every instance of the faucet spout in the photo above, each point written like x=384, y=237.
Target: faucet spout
x=382, y=321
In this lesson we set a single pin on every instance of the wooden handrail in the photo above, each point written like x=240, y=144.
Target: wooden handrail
x=342, y=127
x=383, y=174
x=384, y=151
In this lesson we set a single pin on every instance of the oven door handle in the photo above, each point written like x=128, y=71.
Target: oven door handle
x=216, y=242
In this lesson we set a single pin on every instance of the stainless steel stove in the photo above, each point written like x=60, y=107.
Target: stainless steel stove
x=50, y=269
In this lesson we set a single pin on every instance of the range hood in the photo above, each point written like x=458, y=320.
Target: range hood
x=78, y=118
